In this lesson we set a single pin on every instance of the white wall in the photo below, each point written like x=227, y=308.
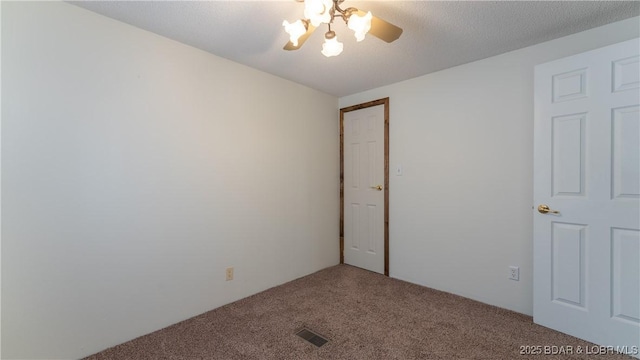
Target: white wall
x=136, y=169
x=462, y=211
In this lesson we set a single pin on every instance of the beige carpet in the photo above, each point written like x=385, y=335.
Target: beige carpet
x=364, y=315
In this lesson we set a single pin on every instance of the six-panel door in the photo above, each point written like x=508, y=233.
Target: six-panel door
x=364, y=188
x=587, y=167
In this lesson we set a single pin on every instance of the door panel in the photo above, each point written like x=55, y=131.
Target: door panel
x=626, y=157
x=625, y=291
x=568, y=268
x=587, y=167
x=568, y=155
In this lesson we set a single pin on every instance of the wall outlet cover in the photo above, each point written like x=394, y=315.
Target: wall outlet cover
x=514, y=273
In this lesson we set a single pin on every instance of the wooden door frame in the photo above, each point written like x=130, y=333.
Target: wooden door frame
x=385, y=102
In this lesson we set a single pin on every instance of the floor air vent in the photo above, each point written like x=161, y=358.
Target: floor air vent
x=312, y=337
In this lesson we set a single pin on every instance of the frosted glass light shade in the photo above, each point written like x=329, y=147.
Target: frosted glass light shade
x=360, y=25
x=331, y=47
x=295, y=30
x=318, y=11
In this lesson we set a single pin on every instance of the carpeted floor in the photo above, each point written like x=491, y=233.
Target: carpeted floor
x=364, y=315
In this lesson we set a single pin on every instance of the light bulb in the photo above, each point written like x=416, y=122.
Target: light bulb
x=295, y=30
x=318, y=11
x=331, y=47
x=360, y=25
x=314, y=6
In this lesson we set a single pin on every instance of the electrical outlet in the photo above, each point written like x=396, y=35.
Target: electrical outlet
x=229, y=273
x=514, y=273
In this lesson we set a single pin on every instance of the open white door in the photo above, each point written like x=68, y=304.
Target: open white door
x=587, y=167
x=364, y=188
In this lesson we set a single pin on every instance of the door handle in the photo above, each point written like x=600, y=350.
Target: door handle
x=544, y=209
x=378, y=187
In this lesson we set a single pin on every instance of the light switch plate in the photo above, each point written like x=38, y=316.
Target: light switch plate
x=399, y=170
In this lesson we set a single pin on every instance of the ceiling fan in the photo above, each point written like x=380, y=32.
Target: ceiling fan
x=317, y=12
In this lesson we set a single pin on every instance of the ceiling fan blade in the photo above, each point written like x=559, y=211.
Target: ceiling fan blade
x=301, y=40
x=383, y=30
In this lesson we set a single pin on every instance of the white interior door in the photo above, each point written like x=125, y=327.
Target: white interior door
x=363, y=188
x=587, y=167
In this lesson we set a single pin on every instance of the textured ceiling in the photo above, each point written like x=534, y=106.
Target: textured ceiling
x=437, y=34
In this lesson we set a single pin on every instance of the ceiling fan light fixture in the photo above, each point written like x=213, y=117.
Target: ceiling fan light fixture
x=295, y=30
x=331, y=46
x=360, y=24
x=317, y=12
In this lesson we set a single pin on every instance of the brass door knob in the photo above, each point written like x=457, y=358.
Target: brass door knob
x=378, y=187
x=544, y=209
